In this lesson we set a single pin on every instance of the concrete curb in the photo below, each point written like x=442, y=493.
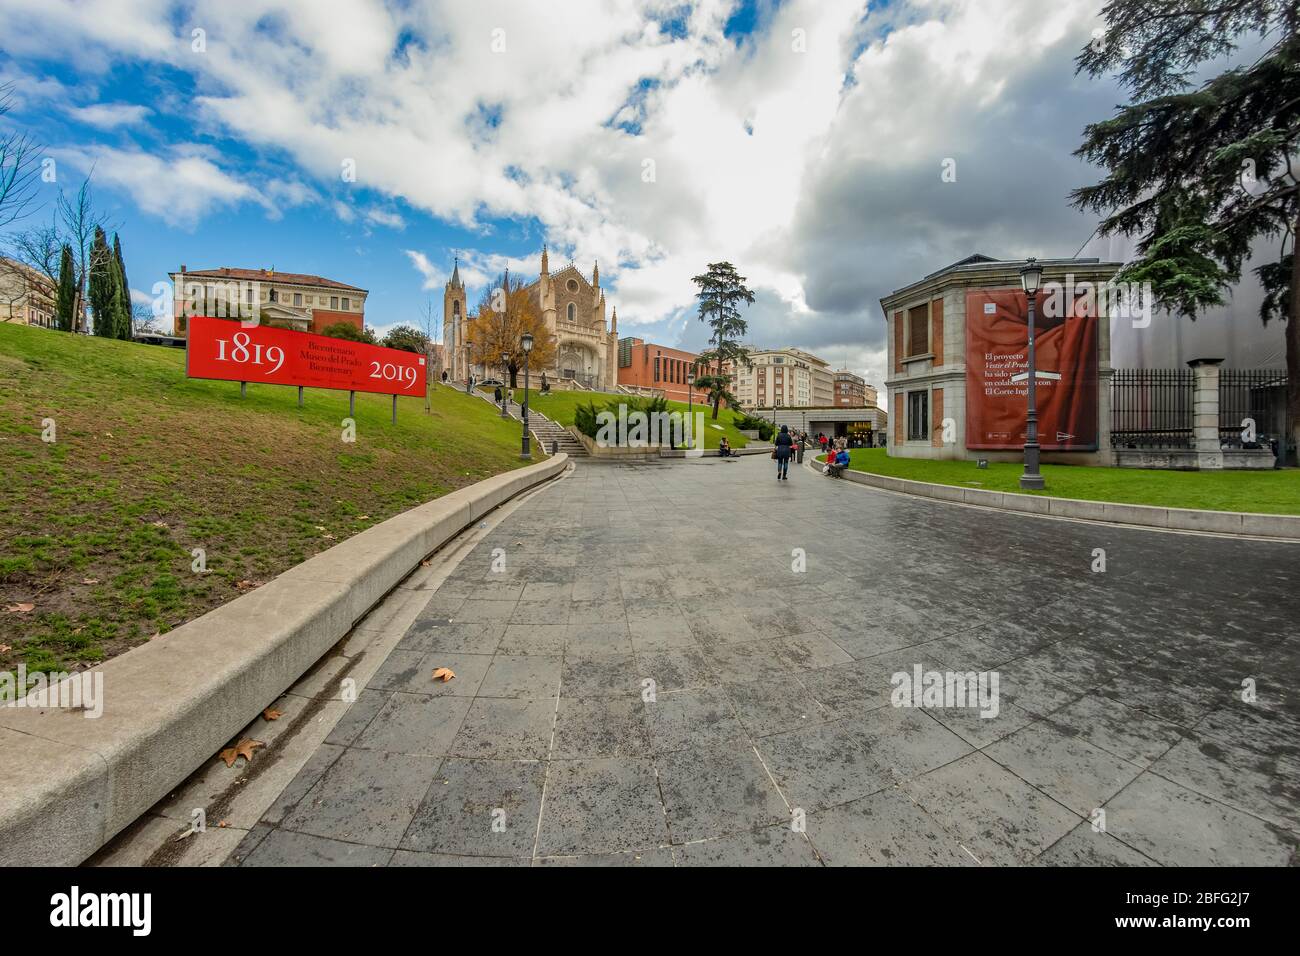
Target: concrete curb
x=1284, y=527
x=71, y=783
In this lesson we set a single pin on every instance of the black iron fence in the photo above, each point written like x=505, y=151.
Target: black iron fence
x=1151, y=408
x=1252, y=403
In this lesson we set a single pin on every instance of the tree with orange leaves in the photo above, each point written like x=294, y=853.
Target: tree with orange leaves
x=505, y=312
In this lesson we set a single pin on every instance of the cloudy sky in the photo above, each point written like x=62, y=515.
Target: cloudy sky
x=805, y=141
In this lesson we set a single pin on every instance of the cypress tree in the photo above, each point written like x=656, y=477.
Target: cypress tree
x=102, y=291
x=125, y=327
x=66, y=302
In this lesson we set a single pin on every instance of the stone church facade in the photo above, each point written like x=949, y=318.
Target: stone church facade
x=573, y=308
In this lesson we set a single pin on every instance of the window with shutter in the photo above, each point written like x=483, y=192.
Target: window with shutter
x=918, y=330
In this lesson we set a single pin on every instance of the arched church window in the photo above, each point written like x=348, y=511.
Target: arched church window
x=455, y=307
x=572, y=312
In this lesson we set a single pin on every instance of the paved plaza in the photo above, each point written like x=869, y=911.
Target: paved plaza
x=650, y=680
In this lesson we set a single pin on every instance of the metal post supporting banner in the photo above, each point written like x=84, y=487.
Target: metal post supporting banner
x=243, y=389
x=300, y=396
x=394, y=409
x=352, y=404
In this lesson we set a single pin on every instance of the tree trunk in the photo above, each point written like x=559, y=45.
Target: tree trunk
x=1293, y=350
x=514, y=376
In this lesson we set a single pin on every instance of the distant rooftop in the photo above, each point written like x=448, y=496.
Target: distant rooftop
x=269, y=275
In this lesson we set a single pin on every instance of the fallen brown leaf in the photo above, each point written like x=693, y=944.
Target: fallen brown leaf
x=3, y=648
x=245, y=585
x=159, y=524
x=243, y=749
x=20, y=608
x=444, y=674
x=90, y=581
x=271, y=714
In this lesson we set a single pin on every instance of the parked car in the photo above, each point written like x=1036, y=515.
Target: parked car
x=490, y=382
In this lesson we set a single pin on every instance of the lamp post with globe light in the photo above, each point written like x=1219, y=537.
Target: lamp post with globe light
x=526, y=343
x=1030, y=277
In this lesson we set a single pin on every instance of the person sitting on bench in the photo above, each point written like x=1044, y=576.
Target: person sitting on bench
x=724, y=448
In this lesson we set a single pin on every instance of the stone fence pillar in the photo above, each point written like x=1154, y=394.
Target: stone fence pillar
x=1205, y=412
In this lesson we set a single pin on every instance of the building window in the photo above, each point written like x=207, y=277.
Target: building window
x=571, y=312
x=656, y=364
x=274, y=296
x=918, y=330
x=297, y=298
x=334, y=302
x=918, y=416
x=455, y=308
x=347, y=303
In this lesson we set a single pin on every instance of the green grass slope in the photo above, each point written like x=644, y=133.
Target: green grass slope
x=97, y=529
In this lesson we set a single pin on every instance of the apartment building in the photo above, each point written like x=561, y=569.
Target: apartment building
x=305, y=303
x=26, y=296
x=852, y=391
x=786, y=377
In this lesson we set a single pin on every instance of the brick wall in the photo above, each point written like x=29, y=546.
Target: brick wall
x=320, y=318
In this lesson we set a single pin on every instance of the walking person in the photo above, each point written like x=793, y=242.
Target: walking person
x=803, y=440
x=784, y=447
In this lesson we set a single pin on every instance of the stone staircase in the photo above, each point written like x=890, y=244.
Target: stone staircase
x=549, y=432
x=545, y=430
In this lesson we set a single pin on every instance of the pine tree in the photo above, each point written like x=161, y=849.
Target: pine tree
x=66, y=303
x=1203, y=176
x=721, y=292
x=103, y=286
x=124, y=326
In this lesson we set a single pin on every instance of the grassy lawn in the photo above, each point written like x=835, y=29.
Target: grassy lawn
x=559, y=406
x=97, y=528
x=1267, y=492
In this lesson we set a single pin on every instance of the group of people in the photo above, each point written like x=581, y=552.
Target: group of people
x=791, y=445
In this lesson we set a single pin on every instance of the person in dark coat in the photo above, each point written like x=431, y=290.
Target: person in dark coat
x=784, y=447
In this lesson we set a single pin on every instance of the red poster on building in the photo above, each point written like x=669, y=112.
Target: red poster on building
x=228, y=350
x=997, y=391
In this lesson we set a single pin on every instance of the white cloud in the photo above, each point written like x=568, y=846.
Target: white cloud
x=109, y=115
x=434, y=278
x=178, y=188
x=383, y=217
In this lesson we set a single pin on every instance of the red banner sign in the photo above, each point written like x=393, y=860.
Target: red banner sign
x=997, y=362
x=230, y=351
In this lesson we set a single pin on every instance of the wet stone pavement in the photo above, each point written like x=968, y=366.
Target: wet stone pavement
x=650, y=681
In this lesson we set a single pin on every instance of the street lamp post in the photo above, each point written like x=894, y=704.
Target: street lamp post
x=505, y=373
x=1030, y=276
x=526, y=343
